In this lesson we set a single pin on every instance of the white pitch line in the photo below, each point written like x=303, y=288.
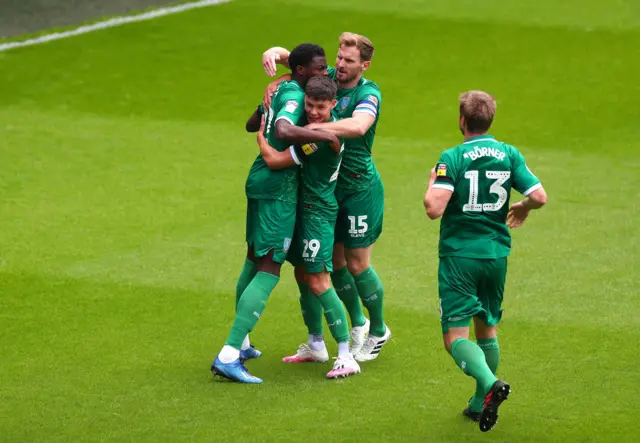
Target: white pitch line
x=111, y=23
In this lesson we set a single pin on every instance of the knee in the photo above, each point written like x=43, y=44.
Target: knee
x=357, y=265
x=318, y=283
x=339, y=261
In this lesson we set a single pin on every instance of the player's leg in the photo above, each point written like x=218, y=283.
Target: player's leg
x=249, y=270
x=490, y=294
x=487, y=339
x=315, y=350
x=271, y=240
x=458, y=280
x=344, y=283
x=365, y=211
x=336, y=316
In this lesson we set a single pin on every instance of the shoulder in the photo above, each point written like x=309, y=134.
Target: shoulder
x=369, y=89
x=290, y=89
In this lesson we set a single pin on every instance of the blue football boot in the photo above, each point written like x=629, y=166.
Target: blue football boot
x=249, y=353
x=234, y=371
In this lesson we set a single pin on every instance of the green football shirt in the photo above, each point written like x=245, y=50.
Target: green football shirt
x=481, y=173
x=319, y=177
x=358, y=170
x=281, y=184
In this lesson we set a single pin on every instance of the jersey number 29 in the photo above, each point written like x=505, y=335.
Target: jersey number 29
x=500, y=178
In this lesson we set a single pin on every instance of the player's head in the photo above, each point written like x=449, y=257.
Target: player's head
x=477, y=109
x=354, y=56
x=307, y=60
x=319, y=99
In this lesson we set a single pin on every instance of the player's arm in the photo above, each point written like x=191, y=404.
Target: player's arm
x=363, y=117
x=253, y=124
x=439, y=192
x=274, y=158
x=297, y=135
x=526, y=183
x=272, y=87
x=273, y=57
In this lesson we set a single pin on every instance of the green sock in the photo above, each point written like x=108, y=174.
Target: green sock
x=492, y=356
x=311, y=310
x=346, y=289
x=250, y=307
x=371, y=292
x=248, y=272
x=470, y=358
x=335, y=314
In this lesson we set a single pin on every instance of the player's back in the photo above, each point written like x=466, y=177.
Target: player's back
x=280, y=184
x=481, y=173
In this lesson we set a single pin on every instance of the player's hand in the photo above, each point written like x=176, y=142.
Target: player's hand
x=335, y=143
x=269, y=59
x=518, y=213
x=432, y=176
x=268, y=94
x=260, y=135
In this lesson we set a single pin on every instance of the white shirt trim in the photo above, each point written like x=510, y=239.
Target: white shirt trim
x=531, y=189
x=284, y=117
x=294, y=156
x=443, y=186
x=365, y=111
x=479, y=140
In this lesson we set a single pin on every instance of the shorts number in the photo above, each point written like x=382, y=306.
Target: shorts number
x=362, y=224
x=500, y=178
x=310, y=245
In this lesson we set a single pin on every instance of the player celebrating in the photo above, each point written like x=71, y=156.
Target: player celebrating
x=360, y=192
x=312, y=246
x=271, y=210
x=470, y=188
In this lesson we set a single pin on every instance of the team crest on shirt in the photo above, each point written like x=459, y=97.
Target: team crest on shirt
x=344, y=103
x=309, y=148
x=286, y=245
x=373, y=99
x=291, y=106
x=442, y=170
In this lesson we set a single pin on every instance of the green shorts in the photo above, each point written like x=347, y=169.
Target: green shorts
x=470, y=287
x=270, y=225
x=360, y=215
x=313, y=244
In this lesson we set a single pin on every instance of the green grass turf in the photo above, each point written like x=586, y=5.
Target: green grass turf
x=122, y=167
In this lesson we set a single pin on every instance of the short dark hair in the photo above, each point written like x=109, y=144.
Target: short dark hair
x=303, y=55
x=321, y=88
x=478, y=109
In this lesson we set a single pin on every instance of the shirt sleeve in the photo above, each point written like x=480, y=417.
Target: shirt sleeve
x=369, y=101
x=523, y=180
x=292, y=109
x=445, y=173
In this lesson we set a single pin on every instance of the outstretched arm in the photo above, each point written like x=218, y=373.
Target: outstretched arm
x=296, y=135
x=352, y=127
x=272, y=57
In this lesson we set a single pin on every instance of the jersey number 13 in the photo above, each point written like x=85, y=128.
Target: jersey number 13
x=500, y=178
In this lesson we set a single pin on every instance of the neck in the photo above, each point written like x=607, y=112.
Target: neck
x=298, y=79
x=468, y=135
x=350, y=84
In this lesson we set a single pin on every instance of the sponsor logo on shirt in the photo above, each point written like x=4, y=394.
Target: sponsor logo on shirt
x=310, y=148
x=442, y=170
x=291, y=106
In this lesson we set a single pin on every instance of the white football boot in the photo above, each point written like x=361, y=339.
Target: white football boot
x=372, y=346
x=305, y=354
x=344, y=367
x=358, y=335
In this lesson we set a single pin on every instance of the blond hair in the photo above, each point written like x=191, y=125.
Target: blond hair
x=478, y=109
x=364, y=45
